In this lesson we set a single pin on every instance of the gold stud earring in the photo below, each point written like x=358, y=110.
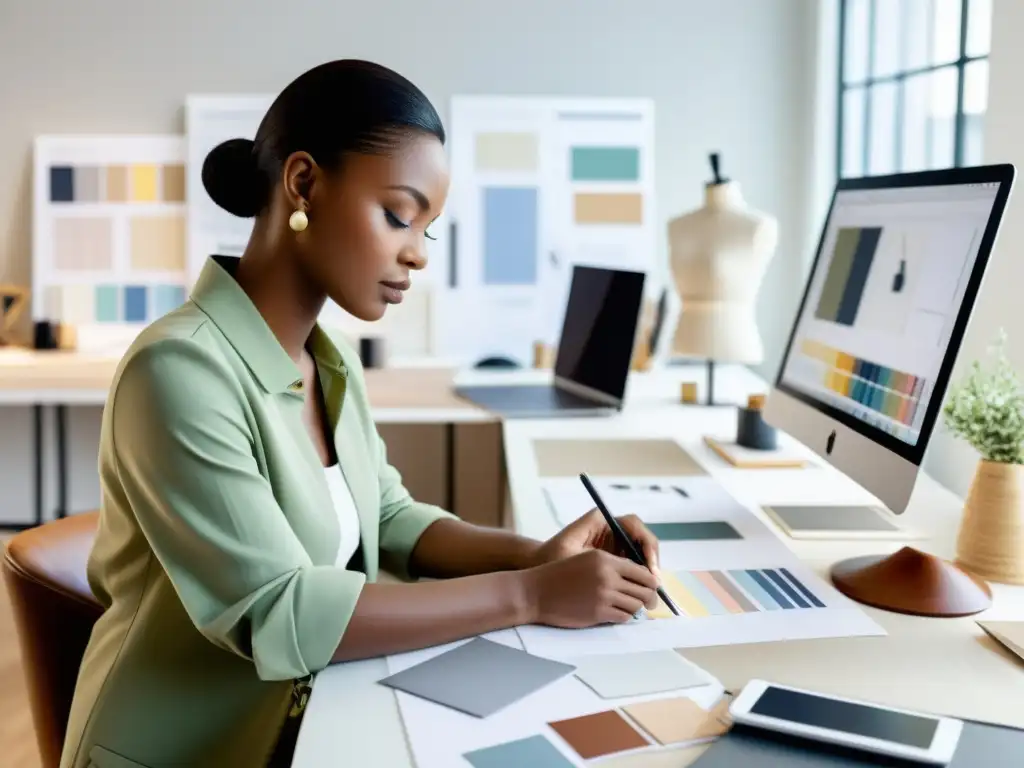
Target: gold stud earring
x=298, y=221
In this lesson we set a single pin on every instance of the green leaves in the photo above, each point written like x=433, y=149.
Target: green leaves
x=986, y=408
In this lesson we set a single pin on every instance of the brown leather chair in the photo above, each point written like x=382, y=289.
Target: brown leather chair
x=54, y=611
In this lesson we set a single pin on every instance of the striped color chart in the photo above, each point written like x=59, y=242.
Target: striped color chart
x=892, y=393
x=720, y=593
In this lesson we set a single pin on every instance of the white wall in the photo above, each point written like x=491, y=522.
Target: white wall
x=999, y=303
x=738, y=76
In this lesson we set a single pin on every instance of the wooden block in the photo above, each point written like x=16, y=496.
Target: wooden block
x=641, y=355
x=688, y=392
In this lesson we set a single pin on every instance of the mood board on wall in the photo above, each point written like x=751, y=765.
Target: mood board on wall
x=540, y=184
x=108, y=230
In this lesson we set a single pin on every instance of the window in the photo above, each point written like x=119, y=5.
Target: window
x=913, y=84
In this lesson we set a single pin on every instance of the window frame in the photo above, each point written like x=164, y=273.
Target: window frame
x=898, y=78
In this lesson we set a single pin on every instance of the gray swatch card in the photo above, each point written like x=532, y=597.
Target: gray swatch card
x=479, y=677
x=616, y=676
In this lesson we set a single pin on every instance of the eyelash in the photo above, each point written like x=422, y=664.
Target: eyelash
x=399, y=224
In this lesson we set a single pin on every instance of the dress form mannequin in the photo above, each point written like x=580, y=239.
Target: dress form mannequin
x=719, y=254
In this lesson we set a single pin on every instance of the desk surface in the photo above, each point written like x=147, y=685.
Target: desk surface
x=944, y=665
x=414, y=390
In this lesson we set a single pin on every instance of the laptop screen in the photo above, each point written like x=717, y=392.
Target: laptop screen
x=596, y=345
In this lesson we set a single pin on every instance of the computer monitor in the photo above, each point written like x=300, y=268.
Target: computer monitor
x=898, y=268
x=599, y=330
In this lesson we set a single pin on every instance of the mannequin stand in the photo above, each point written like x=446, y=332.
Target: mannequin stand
x=912, y=582
x=711, y=383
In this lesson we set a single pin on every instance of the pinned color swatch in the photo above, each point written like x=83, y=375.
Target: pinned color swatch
x=140, y=183
x=600, y=734
x=608, y=208
x=510, y=235
x=605, y=164
x=507, y=151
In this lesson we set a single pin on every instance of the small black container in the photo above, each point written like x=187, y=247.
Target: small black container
x=44, y=335
x=371, y=352
x=752, y=431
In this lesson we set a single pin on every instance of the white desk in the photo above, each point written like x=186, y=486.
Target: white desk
x=943, y=665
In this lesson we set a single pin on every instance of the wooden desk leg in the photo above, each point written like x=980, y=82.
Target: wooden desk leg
x=60, y=425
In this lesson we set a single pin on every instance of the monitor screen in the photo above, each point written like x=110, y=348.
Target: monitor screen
x=847, y=717
x=596, y=345
x=883, y=304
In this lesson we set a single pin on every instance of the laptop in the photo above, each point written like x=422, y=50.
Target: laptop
x=595, y=350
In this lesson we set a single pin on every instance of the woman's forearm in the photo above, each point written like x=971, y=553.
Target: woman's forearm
x=453, y=548
x=393, y=618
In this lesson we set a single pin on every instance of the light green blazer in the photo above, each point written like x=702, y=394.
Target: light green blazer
x=217, y=538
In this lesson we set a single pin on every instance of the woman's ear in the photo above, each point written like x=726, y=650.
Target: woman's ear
x=300, y=172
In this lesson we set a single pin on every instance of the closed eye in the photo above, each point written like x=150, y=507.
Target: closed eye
x=397, y=223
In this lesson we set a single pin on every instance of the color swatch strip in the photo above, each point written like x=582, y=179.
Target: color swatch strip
x=139, y=183
x=892, y=393
x=721, y=593
x=84, y=304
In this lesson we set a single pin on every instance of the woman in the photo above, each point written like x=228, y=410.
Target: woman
x=247, y=500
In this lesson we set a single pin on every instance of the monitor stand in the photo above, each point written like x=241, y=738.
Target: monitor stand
x=913, y=582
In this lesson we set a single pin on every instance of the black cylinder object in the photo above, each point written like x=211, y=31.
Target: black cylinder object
x=44, y=335
x=752, y=431
x=371, y=352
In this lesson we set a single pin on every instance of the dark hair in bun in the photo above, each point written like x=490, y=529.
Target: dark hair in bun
x=338, y=108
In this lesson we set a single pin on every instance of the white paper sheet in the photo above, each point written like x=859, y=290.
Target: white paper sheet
x=657, y=500
x=568, y=697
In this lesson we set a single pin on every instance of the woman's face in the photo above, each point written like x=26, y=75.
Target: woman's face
x=369, y=222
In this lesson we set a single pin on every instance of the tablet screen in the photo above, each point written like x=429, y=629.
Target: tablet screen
x=846, y=717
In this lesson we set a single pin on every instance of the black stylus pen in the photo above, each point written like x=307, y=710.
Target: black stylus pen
x=627, y=544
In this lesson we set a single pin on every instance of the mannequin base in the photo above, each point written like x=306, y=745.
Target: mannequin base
x=912, y=582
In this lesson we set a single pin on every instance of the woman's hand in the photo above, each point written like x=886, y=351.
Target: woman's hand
x=586, y=589
x=592, y=532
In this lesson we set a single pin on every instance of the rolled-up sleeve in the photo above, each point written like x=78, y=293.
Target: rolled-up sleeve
x=185, y=458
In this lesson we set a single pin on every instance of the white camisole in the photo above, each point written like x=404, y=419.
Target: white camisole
x=348, y=519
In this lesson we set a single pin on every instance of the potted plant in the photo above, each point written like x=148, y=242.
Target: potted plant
x=986, y=409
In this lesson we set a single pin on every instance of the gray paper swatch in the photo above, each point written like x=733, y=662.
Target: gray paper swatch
x=479, y=677
x=616, y=676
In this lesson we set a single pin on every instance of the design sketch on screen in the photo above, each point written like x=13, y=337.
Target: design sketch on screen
x=883, y=304
x=108, y=252
x=538, y=185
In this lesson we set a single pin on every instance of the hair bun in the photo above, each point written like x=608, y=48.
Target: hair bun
x=233, y=180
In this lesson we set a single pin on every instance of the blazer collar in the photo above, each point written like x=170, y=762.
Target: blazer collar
x=218, y=294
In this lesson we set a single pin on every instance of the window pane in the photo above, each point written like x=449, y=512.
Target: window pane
x=975, y=106
x=979, y=27
x=887, y=49
x=929, y=120
x=945, y=31
x=942, y=116
x=883, y=129
x=916, y=33
x=853, y=133
x=914, y=151
x=855, y=45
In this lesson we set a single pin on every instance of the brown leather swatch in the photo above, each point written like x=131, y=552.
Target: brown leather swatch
x=603, y=733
